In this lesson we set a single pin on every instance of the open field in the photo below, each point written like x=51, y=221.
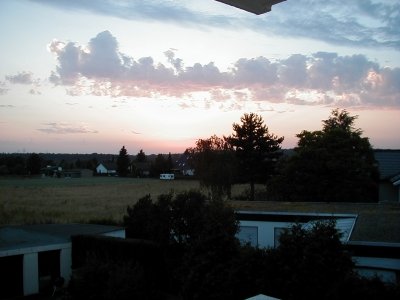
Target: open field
x=98, y=199
x=56, y=200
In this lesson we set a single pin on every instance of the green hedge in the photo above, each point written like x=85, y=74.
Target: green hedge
x=115, y=268
x=105, y=248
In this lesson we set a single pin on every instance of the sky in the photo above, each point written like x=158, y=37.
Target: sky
x=91, y=76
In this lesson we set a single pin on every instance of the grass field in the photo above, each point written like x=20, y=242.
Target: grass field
x=56, y=200
x=99, y=199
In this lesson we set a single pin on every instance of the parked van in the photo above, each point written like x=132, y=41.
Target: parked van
x=167, y=176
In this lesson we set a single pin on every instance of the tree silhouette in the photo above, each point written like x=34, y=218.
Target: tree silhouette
x=215, y=165
x=123, y=162
x=256, y=149
x=141, y=156
x=332, y=164
x=34, y=163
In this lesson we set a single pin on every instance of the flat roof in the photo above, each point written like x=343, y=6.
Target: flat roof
x=375, y=222
x=30, y=236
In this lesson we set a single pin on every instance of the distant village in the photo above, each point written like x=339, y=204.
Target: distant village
x=60, y=165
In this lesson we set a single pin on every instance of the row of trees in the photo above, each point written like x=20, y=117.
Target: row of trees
x=248, y=155
x=31, y=164
x=34, y=163
x=332, y=164
x=127, y=167
x=204, y=259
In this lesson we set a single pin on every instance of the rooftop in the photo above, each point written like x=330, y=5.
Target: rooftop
x=375, y=222
x=388, y=163
x=28, y=236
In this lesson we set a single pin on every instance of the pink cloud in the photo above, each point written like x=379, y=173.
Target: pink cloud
x=99, y=68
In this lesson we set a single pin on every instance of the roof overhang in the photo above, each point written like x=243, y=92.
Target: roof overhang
x=395, y=180
x=257, y=7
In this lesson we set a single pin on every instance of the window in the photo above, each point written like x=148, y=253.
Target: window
x=11, y=276
x=277, y=234
x=248, y=234
x=49, y=268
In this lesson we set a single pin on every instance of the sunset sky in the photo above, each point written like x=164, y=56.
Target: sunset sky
x=84, y=76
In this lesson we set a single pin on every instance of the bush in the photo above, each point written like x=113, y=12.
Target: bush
x=114, y=268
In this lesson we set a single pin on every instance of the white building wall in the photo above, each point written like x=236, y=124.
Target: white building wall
x=117, y=233
x=384, y=268
x=31, y=274
x=265, y=231
x=66, y=264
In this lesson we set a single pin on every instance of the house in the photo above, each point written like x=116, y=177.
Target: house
x=32, y=256
x=107, y=168
x=370, y=231
x=389, y=174
x=182, y=164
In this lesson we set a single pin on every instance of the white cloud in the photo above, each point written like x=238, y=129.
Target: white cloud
x=365, y=23
x=3, y=89
x=66, y=128
x=99, y=68
x=21, y=78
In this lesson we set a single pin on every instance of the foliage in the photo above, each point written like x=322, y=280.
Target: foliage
x=141, y=156
x=215, y=165
x=204, y=260
x=123, y=162
x=12, y=164
x=208, y=258
x=34, y=164
x=86, y=247
x=161, y=165
x=192, y=231
x=257, y=150
x=332, y=164
x=106, y=280
x=113, y=268
x=179, y=219
x=311, y=261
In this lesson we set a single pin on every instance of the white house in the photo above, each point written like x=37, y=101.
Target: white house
x=31, y=256
x=263, y=229
x=106, y=168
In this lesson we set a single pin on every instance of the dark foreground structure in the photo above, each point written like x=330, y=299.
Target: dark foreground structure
x=257, y=7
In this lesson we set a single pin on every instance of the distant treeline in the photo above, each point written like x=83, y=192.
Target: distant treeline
x=32, y=163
